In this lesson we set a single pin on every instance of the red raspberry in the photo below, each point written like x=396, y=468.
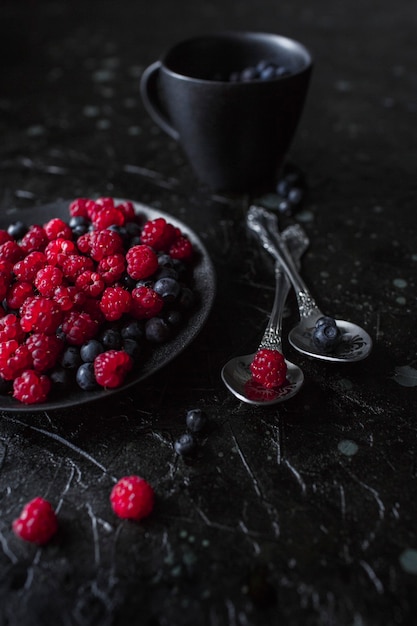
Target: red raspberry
x=37, y=522
x=132, y=497
x=104, y=243
x=146, y=303
x=57, y=229
x=31, y=387
x=90, y=283
x=64, y=295
x=45, y=350
x=128, y=210
x=181, y=249
x=48, y=279
x=14, y=359
x=6, y=267
x=92, y=307
x=142, y=262
x=41, y=315
x=10, y=328
x=11, y=251
x=111, y=368
x=112, y=268
x=115, y=302
x=76, y=264
x=80, y=206
x=58, y=250
x=5, y=280
x=4, y=236
x=104, y=202
x=84, y=243
x=268, y=368
x=78, y=327
x=158, y=234
x=26, y=269
x=35, y=239
x=106, y=217
x=18, y=293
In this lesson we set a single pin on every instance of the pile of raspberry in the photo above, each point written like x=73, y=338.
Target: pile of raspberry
x=84, y=300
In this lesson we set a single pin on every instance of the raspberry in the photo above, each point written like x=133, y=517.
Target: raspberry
x=112, y=268
x=90, y=283
x=111, y=367
x=146, y=303
x=37, y=522
x=181, y=249
x=76, y=264
x=268, y=368
x=44, y=350
x=41, y=315
x=132, y=497
x=27, y=268
x=142, y=262
x=64, y=295
x=58, y=250
x=78, y=327
x=4, y=236
x=84, y=243
x=35, y=239
x=14, y=359
x=18, y=293
x=128, y=210
x=104, y=243
x=6, y=267
x=79, y=207
x=158, y=234
x=92, y=307
x=5, y=280
x=11, y=251
x=57, y=229
x=115, y=302
x=10, y=328
x=106, y=217
x=47, y=279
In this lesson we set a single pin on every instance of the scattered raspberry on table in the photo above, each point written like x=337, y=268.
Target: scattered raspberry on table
x=37, y=522
x=132, y=498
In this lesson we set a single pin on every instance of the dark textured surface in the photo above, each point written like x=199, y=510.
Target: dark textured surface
x=301, y=514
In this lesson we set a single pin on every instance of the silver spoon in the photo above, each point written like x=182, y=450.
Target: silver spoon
x=236, y=373
x=355, y=343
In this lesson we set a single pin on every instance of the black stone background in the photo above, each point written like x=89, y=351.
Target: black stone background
x=274, y=522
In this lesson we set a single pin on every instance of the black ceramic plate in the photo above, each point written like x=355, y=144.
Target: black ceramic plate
x=203, y=285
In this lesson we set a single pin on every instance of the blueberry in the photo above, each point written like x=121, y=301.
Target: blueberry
x=128, y=282
x=186, y=299
x=268, y=72
x=157, y=330
x=18, y=230
x=285, y=207
x=5, y=386
x=280, y=71
x=295, y=195
x=325, y=320
x=111, y=339
x=78, y=220
x=85, y=377
x=62, y=378
x=132, y=330
x=185, y=444
x=326, y=336
x=131, y=346
x=132, y=229
x=166, y=272
x=168, y=288
x=90, y=349
x=283, y=187
x=249, y=73
x=174, y=318
x=71, y=357
x=165, y=260
x=196, y=420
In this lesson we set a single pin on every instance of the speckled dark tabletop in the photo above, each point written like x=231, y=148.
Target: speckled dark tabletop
x=302, y=514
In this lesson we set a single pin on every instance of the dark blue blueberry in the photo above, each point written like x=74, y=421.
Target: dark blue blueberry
x=326, y=335
x=146, y=282
x=5, y=386
x=18, y=230
x=325, y=320
x=174, y=318
x=185, y=444
x=133, y=229
x=157, y=330
x=62, y=378
x=295, y=195
x=135, y=241
x=165, y=260
x=168, y=288
x=196, y=420
x=128, y=282
x=283, y=187
x=90, y=349
x=78, y=220
x=186, y=299
x=85, y=377
x=262, y=64
x=268, y=72
x=285, y=207
x=131, y=346
x=111, y=339
x=281, y=70
x=120, y=230
x=132, y=330
x=71, y=357
x=166, y=272
x=249, y=73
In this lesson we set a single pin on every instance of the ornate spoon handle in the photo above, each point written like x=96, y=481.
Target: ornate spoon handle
x=264, y=224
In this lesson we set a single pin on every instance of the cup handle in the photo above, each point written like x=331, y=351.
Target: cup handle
x=151, y=101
